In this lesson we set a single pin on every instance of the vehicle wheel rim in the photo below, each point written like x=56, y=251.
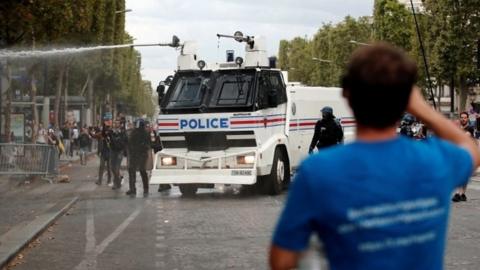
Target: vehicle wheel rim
x=280, y=171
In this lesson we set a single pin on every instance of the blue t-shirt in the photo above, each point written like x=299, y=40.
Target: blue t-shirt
x=379, y=205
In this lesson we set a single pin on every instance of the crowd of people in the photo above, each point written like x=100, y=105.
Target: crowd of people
x=135, y=143
x=113, y=143
x=69, y=139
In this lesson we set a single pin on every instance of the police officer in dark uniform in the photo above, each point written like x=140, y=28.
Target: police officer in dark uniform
x=104, y=153
x=138, y=147
x=328, y=131
x=161, y=91
x=118, y=146
x=406, y=125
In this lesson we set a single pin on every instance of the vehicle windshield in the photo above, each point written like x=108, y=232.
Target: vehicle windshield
x=187, y=91
x=211, y=91
x=233, y=88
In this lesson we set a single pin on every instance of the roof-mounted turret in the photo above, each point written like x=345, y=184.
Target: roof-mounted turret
x=187, y=60
x=255, y=49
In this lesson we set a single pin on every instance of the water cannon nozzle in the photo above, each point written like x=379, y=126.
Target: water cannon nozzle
x=239, y=37
x=175, y=42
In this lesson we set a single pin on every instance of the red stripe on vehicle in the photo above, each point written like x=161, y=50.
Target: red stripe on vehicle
x=275, y=120
x=246, y=122
x=167, y=124
x=256, y=122
x=307, y=124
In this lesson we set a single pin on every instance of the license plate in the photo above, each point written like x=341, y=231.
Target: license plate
x=242, y=173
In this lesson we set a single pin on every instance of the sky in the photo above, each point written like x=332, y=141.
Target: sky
x=156, y=21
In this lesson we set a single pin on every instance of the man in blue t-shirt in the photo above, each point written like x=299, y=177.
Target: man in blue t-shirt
x=383, y=201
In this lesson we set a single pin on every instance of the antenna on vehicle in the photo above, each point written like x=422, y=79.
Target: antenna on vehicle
x=255, y=50
x=238, y=36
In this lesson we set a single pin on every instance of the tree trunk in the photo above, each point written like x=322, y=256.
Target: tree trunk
x=58, y=94
x=90, y=99
x=463, y=95
x=65, y=99
x=439, y=96
x=100, y=110
x=33, y=94
x=8, y=104
x=84, y=88
x=114, y=107
x=94, y=112
x=452, y=95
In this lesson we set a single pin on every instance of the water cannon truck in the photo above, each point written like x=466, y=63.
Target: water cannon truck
x=238, y=123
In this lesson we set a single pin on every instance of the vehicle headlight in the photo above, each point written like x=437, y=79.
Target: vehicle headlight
x=250, y=159
x=169, y=161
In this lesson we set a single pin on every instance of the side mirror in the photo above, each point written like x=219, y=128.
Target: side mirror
x=206, y=84
x=272, y=98
x=168, y=80
x=161, y=89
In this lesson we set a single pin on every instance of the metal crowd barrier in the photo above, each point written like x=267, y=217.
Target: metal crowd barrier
x=29, y=159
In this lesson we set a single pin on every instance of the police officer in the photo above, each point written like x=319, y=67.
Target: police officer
x=104, y=153
x=118, y=147
x=138, y=147
x=328, y=131
x=161, y=91
x=406, y=125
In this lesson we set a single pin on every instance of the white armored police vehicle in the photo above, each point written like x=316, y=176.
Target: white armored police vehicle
x=238, y=123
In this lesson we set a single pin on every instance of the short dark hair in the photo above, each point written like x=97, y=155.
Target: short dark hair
x=466, y=113
x=377, y=83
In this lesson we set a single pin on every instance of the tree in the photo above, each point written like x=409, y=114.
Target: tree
x=455, y=26
x=103, y=76
x=299, y=60
x=393, y=23
x=283, y=50
x=14, y=18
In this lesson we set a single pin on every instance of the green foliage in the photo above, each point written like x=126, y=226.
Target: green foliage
x=43, y=24
x=393, y=23
x=321, y=61
x=455, y=26
x=449, y=31
x=283, y=54
x=299, y=60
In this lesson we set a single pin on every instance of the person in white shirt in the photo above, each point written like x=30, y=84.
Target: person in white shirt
x=42, y=134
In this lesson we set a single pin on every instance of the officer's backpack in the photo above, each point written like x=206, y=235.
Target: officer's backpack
x=84, y=140
x=330, y=133
x=117, y=142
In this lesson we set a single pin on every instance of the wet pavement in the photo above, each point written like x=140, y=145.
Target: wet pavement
x=217, y=229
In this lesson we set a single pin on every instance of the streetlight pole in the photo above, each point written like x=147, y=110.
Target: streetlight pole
x=425, y=62
x=1, y=100
x=123, y=11
x=321, y=60
x=324, y=61
x=360, y=43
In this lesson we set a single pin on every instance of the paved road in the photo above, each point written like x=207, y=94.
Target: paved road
x=215, y=230
x=220, y=229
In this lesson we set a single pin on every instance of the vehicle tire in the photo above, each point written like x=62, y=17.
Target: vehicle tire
x=188, y=190
x=279, y=176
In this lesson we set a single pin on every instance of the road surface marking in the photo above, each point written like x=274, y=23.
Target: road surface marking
x=160, y=245
x=92, y=251
x=90, y=261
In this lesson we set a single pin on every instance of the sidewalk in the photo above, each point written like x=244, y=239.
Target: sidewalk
x=29, y=207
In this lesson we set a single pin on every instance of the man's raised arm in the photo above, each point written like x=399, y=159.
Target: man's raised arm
x=442, y=127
